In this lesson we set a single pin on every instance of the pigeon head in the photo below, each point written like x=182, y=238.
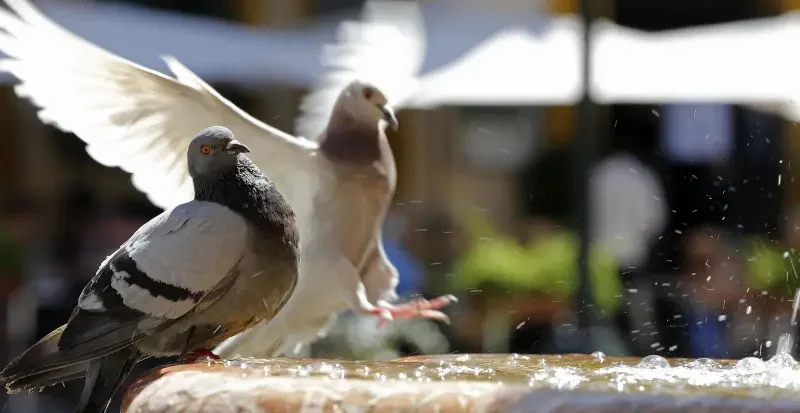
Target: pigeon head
x=214, y=150
x=365, y=102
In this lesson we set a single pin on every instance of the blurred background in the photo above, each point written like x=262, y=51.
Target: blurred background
x=693, y=207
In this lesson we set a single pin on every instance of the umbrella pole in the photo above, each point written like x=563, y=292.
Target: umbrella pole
x=584, y=151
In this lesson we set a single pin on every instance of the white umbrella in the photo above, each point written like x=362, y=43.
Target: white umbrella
x=536, y=60
x=512, y=60
x=742, y=62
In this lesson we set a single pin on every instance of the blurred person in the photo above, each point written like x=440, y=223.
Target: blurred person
x=435, y=239
x=629, y=215
x=713, y=313
x=411, y=272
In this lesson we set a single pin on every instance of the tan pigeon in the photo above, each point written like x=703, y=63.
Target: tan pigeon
x=339, y=185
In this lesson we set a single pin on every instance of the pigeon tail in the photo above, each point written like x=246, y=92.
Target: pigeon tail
x=43, y=365
x=103, y=377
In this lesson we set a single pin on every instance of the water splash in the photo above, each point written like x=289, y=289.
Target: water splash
x=778, y=378
x=786, y=341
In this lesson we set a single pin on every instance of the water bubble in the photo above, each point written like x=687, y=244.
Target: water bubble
x=784, y=361
x=599, y=356
x=440, y=368
x=463, y=358
x=703, y=363
x=653, y=362
x=513, y=360
x=751, y=364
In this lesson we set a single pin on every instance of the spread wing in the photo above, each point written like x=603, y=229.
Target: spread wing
x=386, y=48
x=130, y=116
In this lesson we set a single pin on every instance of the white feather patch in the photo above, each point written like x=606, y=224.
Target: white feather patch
x=140, y=299
x=91, y=302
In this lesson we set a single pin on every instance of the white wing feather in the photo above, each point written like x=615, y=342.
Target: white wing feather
x=130, y=116
x=386, y=48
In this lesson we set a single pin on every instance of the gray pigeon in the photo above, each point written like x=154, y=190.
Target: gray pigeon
x=339, y=184
x=188, y=279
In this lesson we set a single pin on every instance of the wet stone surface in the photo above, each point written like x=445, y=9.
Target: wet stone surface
x=624, y=384
x=750, y=377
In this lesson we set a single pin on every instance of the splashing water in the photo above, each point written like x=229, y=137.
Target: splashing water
x=786, y=341
x=778, y=378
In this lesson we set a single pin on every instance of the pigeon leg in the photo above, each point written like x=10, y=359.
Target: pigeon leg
x=416, y=308
x=199, y=353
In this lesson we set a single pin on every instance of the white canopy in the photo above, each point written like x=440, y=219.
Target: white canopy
x=468, y=56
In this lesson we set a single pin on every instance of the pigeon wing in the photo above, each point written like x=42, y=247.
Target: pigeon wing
x=184, y=257
x=132, y=117
x=385, y=48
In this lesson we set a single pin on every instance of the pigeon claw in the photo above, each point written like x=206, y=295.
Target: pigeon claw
x=197, y=354
x=416, y=308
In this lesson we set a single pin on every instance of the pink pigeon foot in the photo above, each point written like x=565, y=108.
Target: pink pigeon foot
x=416, y=308
x=197, y=354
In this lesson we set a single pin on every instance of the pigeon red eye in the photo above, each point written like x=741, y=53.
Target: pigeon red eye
x=205, y=149
x=367, y=93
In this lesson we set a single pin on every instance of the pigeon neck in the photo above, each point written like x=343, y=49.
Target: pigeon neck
x=242, y=188
x=347, y=139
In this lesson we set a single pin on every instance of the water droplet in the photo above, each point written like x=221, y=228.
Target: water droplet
x=784, y=361
x=599, y=356
x=653, y=362
x=751, y=364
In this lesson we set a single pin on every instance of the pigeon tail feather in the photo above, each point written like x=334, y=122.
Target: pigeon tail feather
x=103, y=377
x=43, y=365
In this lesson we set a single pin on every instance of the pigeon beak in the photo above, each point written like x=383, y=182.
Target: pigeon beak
x=235, y=146
x=389, y=117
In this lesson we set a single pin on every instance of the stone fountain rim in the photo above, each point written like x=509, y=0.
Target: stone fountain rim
x=512, y=396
